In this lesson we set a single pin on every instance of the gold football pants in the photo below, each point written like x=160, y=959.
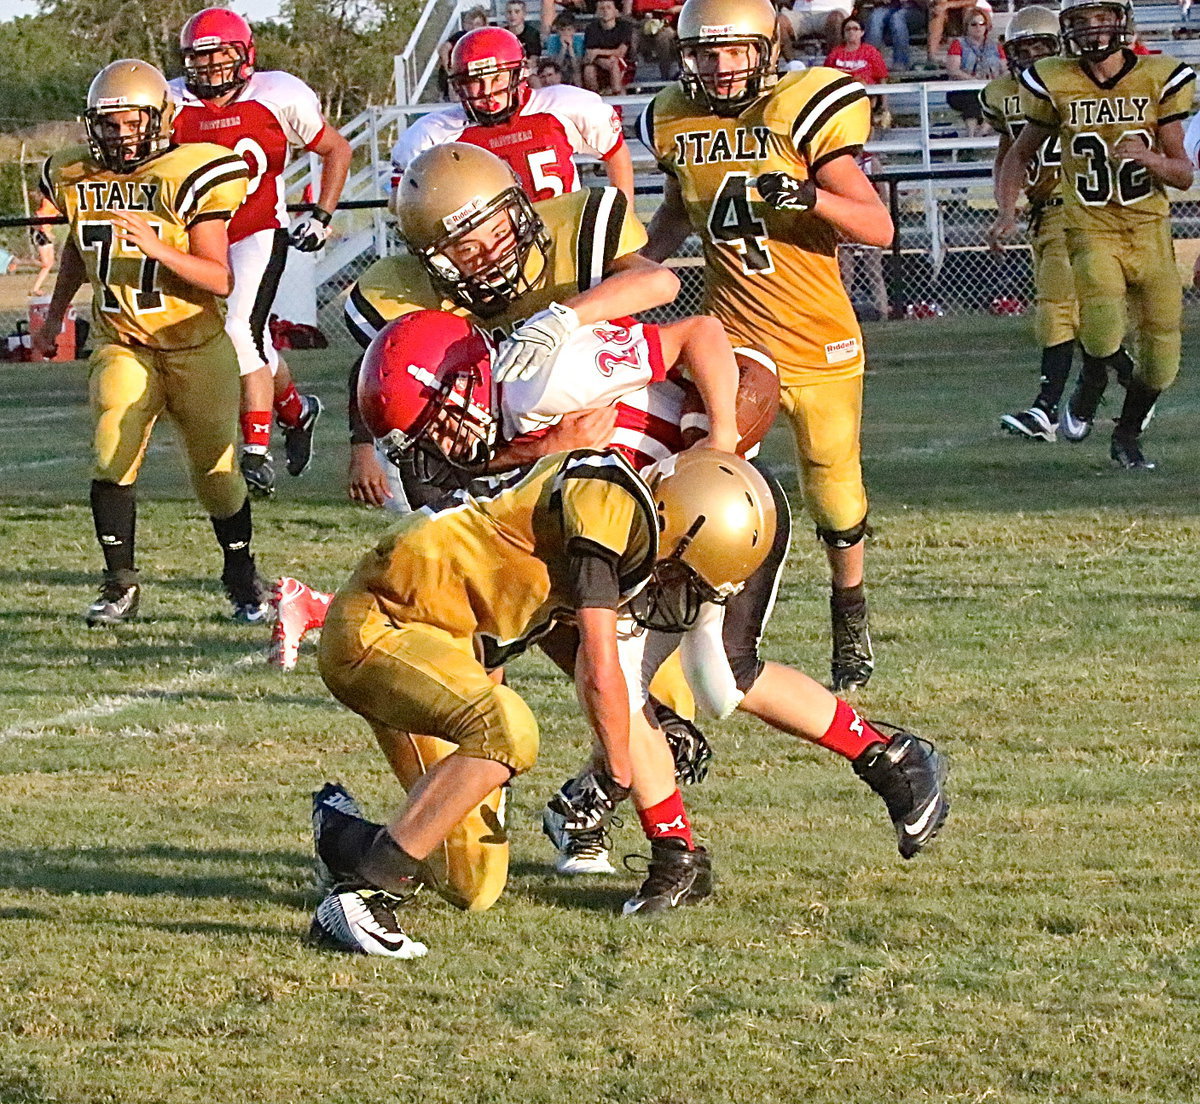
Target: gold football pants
x=197, y=388
x=1134, y=265
x=413, y=678
x=1056, y=311
x=826, y=420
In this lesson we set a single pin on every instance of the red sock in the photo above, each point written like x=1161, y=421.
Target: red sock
x=667, y=819
x=256, y=430
x=289, y=406
x=849, y=734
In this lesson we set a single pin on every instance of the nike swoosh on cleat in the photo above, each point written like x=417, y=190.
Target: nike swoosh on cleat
x=923, y=820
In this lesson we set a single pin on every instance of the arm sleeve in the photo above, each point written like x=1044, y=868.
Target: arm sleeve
x=1036, y=102
x=214, y=190
x=835, y=120
x=592, y=579
x=359, y=434
x=991, y=112
x=1175, y=103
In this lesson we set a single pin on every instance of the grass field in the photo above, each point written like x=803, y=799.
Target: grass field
x=1035, y=611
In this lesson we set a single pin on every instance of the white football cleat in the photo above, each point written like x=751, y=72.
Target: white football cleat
x=363, y=921
x=580, y=851
x=299, y=610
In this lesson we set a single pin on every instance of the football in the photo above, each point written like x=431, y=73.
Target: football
x=757, y=399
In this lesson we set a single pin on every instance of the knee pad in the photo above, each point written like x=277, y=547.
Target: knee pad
x=843, y=538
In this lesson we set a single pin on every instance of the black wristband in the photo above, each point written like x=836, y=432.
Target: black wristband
x=322, y=216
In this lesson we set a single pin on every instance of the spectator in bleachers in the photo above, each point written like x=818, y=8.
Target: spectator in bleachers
x=654, y=38
x=807, y=18
x=530, y=37
x=899, y=21
x=976, y=56
x=549, y=73
x=471, y=18
x=564, y=46
x=942, y=12
x=860, y=59
x=607, y=51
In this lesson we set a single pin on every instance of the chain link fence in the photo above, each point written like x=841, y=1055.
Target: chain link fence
x=940, y=264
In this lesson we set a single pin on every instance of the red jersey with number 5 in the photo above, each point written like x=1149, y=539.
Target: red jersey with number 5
x=272, y=115
x=539, y=141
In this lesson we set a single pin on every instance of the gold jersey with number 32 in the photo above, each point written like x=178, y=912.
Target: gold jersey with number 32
x=1102, y=191
x=136, y=300
x=770, y=276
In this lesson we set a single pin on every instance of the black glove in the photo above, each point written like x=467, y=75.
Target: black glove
x=309, y=233
x=588, y=800
x=785, y=193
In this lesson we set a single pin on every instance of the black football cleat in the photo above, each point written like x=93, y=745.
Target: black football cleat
x=1033, y=424
x=118, y=599
x=259, y=473
x=1075, y=421
x=675, y=876
x=251, y=598
x=361, y=920
x=298, y=439
x=1127, y=453
x=853, y=658
x=908, y=774
x=689, y=747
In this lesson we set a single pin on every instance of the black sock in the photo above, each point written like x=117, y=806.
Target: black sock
x=1056, y=367
x=114, y=512
x=1135, y=411
x=233, y=535
x=852, y=599
x=387, y=865
x=345, y=849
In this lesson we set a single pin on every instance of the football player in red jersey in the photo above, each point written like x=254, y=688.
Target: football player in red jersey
x=263, y=116
x=535, y=130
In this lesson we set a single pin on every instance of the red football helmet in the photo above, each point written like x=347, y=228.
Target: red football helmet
x=478, y=65
x=206, y=32
x=425, y=393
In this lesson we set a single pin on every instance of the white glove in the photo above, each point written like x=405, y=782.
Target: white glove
x=311, y=231
x=534, y=343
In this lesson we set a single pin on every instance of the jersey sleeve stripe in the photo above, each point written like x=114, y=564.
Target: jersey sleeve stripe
x=645, y=129
x=829, y=107
x=207, y=177
x=802, y=126
x=833, y=155
x=44, y=181
x=593, y=233
x=362, y=320
x=614, y=223
x=208, y=216
x=1178, y=79
x=1033, y=83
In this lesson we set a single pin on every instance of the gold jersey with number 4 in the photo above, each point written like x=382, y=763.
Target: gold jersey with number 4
x=770, y=276
x=588, y=230
x=136, y=300
x=1001, y=102
x=1102, y=191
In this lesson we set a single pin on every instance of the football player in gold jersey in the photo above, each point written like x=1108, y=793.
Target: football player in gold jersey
x=577, y=538
x=1033, y=34
x=148, y=230
x=765, y=173
x=479, y=248
x=1119, y=120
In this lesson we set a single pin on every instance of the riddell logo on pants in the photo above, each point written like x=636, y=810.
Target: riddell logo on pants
x=838, y=352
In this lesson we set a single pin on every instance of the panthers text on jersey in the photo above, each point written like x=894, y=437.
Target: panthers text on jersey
x=498, y=569
x=588, y=230
x=617, y=364
x=770, y=276
x=136, y=299
x=1100, y=190
x=1001, y=101
x=551, y=126
x=273, y=114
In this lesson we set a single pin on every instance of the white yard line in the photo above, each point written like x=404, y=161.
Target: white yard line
x=115, y=703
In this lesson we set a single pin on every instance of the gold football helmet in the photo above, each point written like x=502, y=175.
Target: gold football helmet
x=1032, y=34
x=716, y=523
x=464, y=216
x=1086, y=35
x=728, y=52
x=121, y=143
